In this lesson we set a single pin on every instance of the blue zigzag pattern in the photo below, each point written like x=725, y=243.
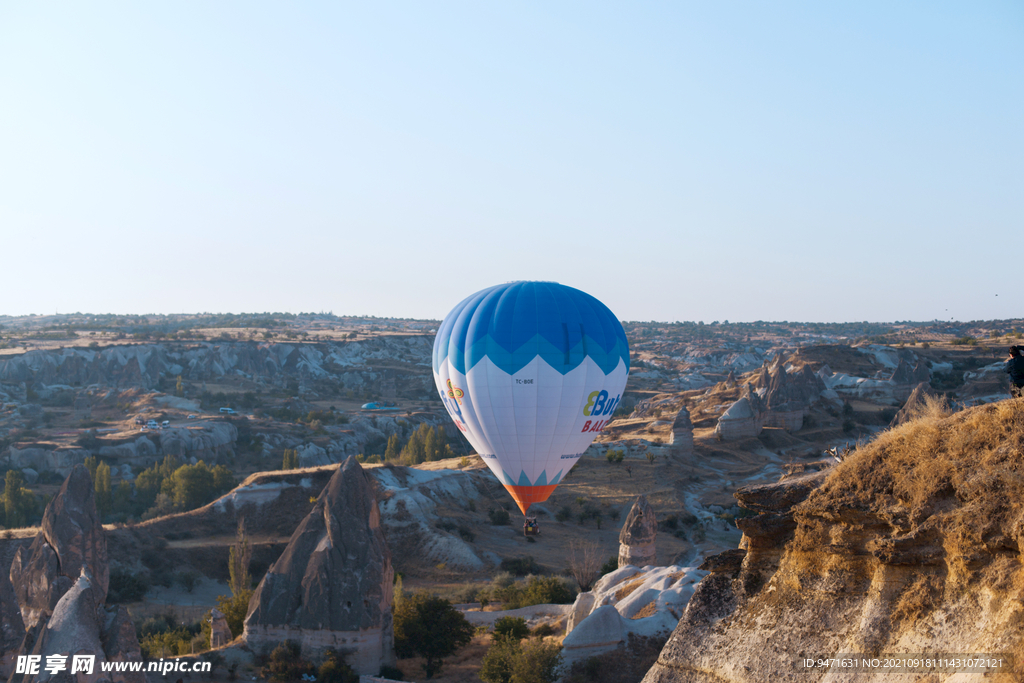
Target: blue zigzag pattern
x=514, y=323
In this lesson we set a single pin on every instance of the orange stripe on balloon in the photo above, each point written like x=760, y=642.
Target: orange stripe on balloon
x=525, y=496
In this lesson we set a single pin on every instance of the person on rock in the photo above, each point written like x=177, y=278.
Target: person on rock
x=1015, y=368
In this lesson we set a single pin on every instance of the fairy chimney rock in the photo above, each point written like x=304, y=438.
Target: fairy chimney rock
x=332, y=586
x=682, y=432
x=636, y=540
x=220, y=632
x=71, y=539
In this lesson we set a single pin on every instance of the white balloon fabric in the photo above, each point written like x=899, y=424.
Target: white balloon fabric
x=530, y=372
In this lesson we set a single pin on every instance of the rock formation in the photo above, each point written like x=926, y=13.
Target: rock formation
x=636, y=540
x=60, y=587
x=646, y=602
x=220, y=632
x=914, y=405
x=12, y=627
x=906, y=377
x=332, y=585
x=875, y=556
x=71, y=539
x=681, y=438
x=744, y=418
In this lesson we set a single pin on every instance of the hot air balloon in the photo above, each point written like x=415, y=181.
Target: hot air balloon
x=530, y=372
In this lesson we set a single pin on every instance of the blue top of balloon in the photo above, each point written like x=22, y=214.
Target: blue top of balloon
x=512, y=324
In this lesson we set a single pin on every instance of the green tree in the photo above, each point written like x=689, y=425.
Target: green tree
x=510, y=661
x=179, y=388
x=104, y=501
x=19, y=503
x=240, y=582
x=92, y=464
x=122, y=499
x=393, y=449
x=496, y=666
x=191, y=486
x=291, y=459
x=431, y=628
x=430, y=450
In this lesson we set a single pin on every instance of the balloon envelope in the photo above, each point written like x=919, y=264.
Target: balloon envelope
x=530, y=372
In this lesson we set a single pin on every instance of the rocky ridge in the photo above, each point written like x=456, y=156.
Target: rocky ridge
x=911, y=545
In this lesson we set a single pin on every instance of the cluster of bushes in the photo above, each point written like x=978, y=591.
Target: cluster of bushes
x=510, y=660
x=172, y=487
x=615, y=455
x=585, y=512
x=675, y=524
x=534, y=590
x=285, y=664
x=425, y=444
x=165, y=636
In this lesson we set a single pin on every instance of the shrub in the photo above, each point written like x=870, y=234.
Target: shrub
x=615, y=455
x=285, y=664
x=564, y=514
x=466, y=533
x=520, y=566
x=335, y=670
x=125, y=587
x=508, y=661
x=545, y=629
x=514, y=628
x=611, y=565
x=390, y=672
x=499, y=517
x=188, y=580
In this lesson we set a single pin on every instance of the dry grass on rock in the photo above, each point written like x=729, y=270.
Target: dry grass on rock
x=956, y=478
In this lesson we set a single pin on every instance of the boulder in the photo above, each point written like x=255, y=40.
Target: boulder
x=636, y=540
x=332, y=585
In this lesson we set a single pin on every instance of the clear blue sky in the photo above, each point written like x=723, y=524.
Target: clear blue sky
x=680, y=161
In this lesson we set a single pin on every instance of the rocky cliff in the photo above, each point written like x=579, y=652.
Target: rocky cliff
x=911, y=545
